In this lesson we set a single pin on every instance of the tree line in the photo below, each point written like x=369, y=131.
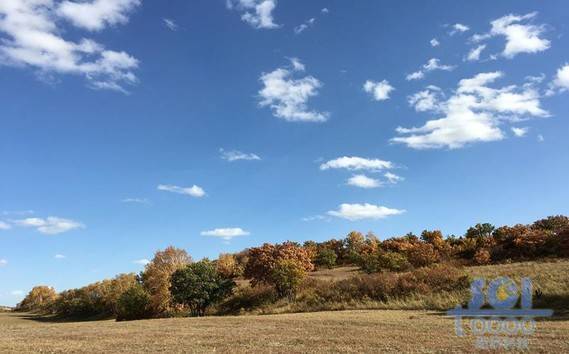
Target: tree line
x=172, y=283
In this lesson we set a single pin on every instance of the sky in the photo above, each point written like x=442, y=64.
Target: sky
x=131, y=125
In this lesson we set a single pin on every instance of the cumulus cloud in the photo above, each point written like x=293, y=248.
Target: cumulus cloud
x=257, y=13
x=226, y=233
x=458, y=28
x=561, y=81
x=4, y=226
x=236, y=155
x=193, y=191
x=355, y=163
x=30, y=37
x=170, y=24
x=97, y=14
x=426, y=100
x=142, y=261
x=51, y=225
x=379, y=90
x=520, y=132
x=432, y=65
x=473, y=114
x=474, y=54
x=355, y=212
x=364, y=181
x=325, y=10
x=521, y=36
x=288, y=97
x=434, y=42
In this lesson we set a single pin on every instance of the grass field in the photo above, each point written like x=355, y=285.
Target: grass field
x=367, y=330
x=344, y=331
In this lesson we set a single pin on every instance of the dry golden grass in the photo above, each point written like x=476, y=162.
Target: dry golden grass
x=346, y=331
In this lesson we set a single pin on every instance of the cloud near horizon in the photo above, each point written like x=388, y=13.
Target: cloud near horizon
x=226, y=233
x=354, y=212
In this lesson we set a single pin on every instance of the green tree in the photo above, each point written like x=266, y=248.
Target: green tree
x=133, y=304
x=198, y=286
x=287, y=276
x=326, y=258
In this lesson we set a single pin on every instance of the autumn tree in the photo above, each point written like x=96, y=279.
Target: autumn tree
x=157, y=273
x=40, y=298
x=264, y=260
x=227, y=266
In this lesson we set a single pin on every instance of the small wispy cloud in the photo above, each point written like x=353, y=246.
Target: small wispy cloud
x=432, y=65
x=193, y=191
x=236, y=155
x=458, y=28
x=226, y=233
x=520, y=132
x=59, y=256
x=142, y=261
x=435, y=42
x=363, y=181
x=393, y=178
x=4, y=226
x=51, y=225
x=355, y=163
x=304, y=26
x=378, y=90
x=3, y=262
x=136, y=201
x=355, y=212
x=170, y=24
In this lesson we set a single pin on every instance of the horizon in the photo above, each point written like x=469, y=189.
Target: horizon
x=215, y=128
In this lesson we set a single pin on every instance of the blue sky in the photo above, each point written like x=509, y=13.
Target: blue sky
x=128, y=125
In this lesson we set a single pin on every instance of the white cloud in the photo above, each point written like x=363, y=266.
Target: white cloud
x=304, y=26
x=51, y=225
x=379, y=90
x=521, y=37
x=426, y=100
x=170, y=24
x=97, y=14
x=30, y=37
x=474, y=54
x=4, y=226
x=325, y=10
x=363, y=181
x=561, y=80
x=473, y=114
x=540, y=138
x=355, y=163
x=458, y=28
x=193, y=191
x=59, y=256
x=226, y=233
x=314, y=218
x=432, y=65
x=434, y=42
x=288, y=97
x=393, y=178
x=520, y=132
x=257, y=13
x=142, y=261
x=355, y=212
x=3, y=262
x=17, y=292
x=136, y=201
x=236, y=155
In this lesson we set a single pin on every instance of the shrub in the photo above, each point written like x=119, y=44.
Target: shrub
x=157, y=273
x=287, y=276
x=422, y=254
x=198, y=286
x=133, y=304
x=326, y=258
x=482, y=256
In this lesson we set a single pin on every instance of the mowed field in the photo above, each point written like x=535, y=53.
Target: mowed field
x=342, y=331
x=331, y=331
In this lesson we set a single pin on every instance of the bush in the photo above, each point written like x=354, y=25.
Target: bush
x=198, y=286
x=482, y=256
x=326, y=258
x=287, y=276
x=227, y=266
x=133, y=304
x=422, y=255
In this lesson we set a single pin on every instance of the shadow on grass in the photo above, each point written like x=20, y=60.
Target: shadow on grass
x=60, y=319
